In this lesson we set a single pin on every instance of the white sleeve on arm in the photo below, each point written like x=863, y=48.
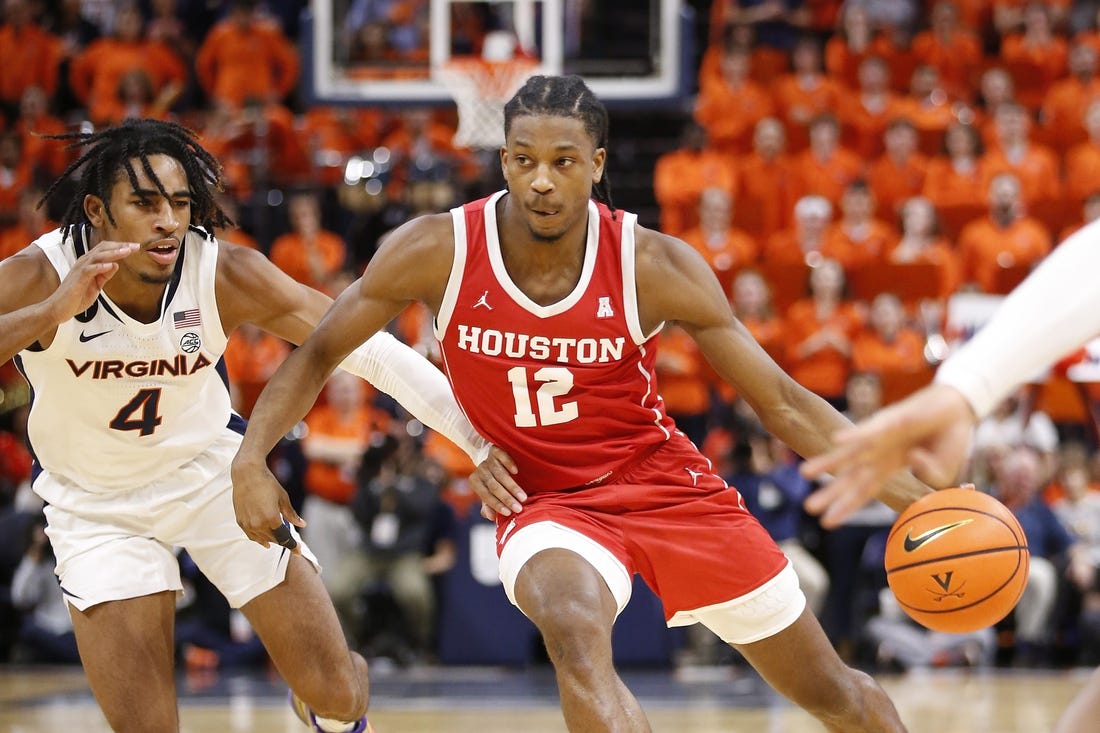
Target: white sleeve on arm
x=1055, y=310
x=419, y=386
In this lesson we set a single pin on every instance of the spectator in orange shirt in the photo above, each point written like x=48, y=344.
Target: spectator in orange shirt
x=1035, y=56
x=929, y=107
x=921, y=243
x=1003, y=239
x=1064, y=105
x=955, y=51
x=65, y=20
x=856, y=39
x=258, y=144
x=751, y=300
x=308, y=253
x=825, y=168
x=34, y=122
x=766, y=181
x=251, y=357
x=685, y=382
x=29, y=226
x=801, y=243
x=135, y=99
x=864, y=119
x=15, y=175
x=1035, y=165
x=338, y=433
x=96, y=71
x=805, y=93
x=819, y=332
x=29, y=56
x=681, y=175
x=246, y=56
x=725, y=247
x=1082, y=162
x=166, y=27
x=887, y=345
x=730, y=106
x=899, y=173
x=995, y=90
x=954, y=183
x=857, y=238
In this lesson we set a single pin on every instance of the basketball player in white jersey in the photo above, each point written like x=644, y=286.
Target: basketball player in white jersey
x=1053, y=311
x=118, y=322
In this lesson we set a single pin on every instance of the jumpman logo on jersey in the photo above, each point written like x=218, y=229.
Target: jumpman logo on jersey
x=694, y=476
x=483, y=300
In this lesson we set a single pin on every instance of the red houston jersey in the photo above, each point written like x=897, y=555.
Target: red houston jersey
x=567, y=389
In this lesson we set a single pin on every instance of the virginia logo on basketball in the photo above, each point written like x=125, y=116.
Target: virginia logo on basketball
x=944, y=582
x=492, y=342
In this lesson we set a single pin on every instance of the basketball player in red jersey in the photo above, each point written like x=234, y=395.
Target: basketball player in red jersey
x=548, y=304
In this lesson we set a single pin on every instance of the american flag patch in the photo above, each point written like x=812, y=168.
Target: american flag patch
x=186, y=319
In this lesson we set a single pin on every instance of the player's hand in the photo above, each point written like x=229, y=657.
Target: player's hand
x=928, y=432
x=493, y=483
x=86, y=279
x=262, y=506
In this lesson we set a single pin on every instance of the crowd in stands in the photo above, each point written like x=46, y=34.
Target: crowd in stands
x=849, y=169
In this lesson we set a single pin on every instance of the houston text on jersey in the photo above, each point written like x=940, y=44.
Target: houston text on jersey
x=492, y=342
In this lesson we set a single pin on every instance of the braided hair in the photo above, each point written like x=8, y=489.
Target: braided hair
x=564, y=96
x=108, y=155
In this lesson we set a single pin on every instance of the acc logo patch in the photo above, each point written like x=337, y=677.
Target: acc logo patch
x=190, y=342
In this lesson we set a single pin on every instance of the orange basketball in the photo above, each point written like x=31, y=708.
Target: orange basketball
x=957, y=560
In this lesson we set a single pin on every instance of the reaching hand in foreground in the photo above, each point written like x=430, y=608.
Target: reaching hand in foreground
x=928, y=432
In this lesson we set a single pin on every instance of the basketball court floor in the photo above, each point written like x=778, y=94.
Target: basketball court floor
x=498, y=700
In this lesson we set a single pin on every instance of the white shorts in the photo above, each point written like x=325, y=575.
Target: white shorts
x=118, y=545
x=759, y=614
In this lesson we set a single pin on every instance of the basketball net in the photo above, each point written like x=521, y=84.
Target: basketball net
x=480, y=89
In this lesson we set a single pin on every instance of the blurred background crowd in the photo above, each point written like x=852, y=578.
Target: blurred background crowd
x=863, y=176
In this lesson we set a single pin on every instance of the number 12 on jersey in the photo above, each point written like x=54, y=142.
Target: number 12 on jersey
x=552, y=382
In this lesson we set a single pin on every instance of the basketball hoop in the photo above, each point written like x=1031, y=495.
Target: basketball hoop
x=480, y=89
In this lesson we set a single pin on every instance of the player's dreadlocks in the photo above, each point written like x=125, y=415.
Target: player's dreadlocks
x=564, y=96
x=108, y=154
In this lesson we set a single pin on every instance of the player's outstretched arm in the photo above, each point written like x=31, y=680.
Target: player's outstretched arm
x=30, y=311
x=1054, y=310
x=929, y=432
x=260, y=293
x=679, y=286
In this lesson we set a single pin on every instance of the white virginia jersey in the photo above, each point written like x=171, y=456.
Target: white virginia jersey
x=117, y=404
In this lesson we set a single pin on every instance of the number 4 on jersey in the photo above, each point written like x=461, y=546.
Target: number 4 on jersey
x=147, y=403
x=556, y=382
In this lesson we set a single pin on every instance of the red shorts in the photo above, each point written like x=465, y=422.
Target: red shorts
x=669, y=518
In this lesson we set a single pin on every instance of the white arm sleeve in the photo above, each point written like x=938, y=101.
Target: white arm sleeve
x=419, y=386
x=1055, y=310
